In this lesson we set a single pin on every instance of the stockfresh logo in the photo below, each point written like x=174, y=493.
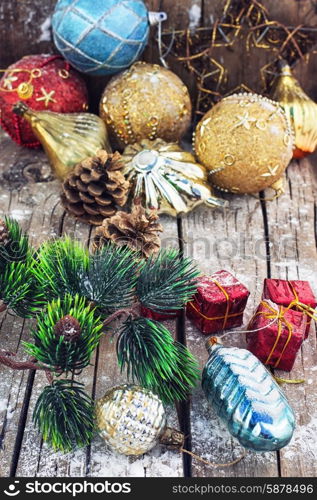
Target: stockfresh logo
x=13, y=489
x=71, y=488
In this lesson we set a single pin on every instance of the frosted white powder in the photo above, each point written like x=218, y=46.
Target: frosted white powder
x=20, y=214
x=194, y=16
x=304, y=441
x=3, y=405
x=45, y=35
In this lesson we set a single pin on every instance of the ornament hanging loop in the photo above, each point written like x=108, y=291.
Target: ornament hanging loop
x=156, y=19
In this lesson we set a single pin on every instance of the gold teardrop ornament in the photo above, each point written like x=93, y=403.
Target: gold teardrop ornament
x=245, y=142
x=166, y=178
x=301, y=110
x=66, y=138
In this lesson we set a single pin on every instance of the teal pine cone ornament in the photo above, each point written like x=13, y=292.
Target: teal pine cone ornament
x=101, y=37
x=245, y=396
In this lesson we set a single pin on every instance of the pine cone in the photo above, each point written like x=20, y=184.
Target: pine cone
x=69, y=328
x=137, y=230
x=95, y=187
x=4, y=233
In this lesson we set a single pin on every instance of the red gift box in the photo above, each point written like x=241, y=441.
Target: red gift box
x=279, y=336
x=284, y=293
x=219, y=303
x=159, y=316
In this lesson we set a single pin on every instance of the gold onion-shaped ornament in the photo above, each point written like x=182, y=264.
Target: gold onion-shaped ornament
x=166, y=178
x=66, y=138
x=301, y=110
x=245, y=142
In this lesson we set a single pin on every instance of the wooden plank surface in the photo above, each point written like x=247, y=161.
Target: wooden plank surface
x=291, y=229
x=231, y=239
x=241, y=249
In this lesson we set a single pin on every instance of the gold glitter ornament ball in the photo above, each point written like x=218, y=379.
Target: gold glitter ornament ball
x=246, y=143
x=145, y=102
x=130, y=419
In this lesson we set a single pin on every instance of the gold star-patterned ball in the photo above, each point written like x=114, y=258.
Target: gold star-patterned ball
x=246, y=142
x=145, y=102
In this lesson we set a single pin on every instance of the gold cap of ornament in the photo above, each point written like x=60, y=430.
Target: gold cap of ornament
x=301, y=110
x=245, y=142
x=167, y=178
x=145, y=102
x=66, y=138
x=211, y=342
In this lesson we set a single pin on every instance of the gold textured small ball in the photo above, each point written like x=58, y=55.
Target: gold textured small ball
x=246, y=143
x=130, y=419
x=145, y=102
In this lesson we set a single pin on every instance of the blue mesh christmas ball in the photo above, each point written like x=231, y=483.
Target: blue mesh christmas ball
x=100, y=37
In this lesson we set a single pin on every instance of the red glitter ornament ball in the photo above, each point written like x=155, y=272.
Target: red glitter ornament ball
x=43, y=82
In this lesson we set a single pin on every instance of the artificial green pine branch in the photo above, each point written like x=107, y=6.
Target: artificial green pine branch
x=60, y=266
x=106, y=278
x=111, y=277
x=167, y=281
x=64, y=414
x=148, y=352
x=18, y=289
x=14, y=244
x=73, y=285
x=66, y=335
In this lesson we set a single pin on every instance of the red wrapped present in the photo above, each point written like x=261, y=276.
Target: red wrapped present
x=279, y=335
x=219, y=303
x=159, y=316
x=295, y=294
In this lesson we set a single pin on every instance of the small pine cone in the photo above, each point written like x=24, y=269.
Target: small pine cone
x=137, y=230
x=4, y=233
x=95, y=187
x=69, y=328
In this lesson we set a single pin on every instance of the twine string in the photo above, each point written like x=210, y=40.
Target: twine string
x=213, y=464
x=279, y=316
x=162, y=56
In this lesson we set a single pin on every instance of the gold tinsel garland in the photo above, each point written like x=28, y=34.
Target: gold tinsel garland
x=245, y=22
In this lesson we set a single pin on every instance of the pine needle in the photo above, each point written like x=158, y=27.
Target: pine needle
x=146, y=349
x=64, y=415
x=60, y=355
x=167, y=281
x=111, y=278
